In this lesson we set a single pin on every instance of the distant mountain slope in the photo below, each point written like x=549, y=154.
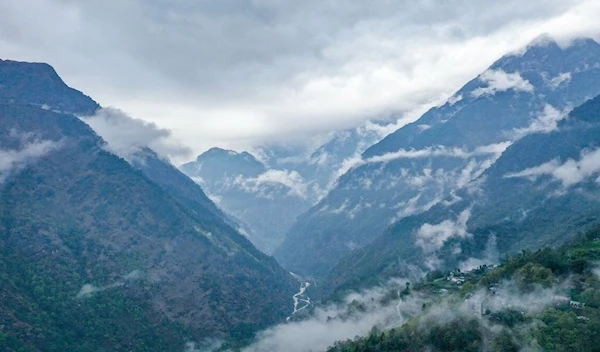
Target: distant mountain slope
x=325, y=164
x=96, y=255
x=178, y=185
x=541, y=192
x=268, y=197
x=266, y=200
x=419, y=165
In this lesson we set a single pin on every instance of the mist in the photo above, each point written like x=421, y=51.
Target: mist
x=30, y=148
x=126, y=135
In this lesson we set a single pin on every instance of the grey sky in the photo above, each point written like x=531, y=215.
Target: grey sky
x=236, y=73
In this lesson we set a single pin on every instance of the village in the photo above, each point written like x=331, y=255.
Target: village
x=438, y=285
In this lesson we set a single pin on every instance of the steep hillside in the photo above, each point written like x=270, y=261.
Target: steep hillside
x=541, y=191
x=178, y=185
x=94, y=255
x=548, y=300
x=422, y=163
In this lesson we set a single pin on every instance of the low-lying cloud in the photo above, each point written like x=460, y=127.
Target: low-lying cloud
x=88, y=289
x=490, y=255
x=126, y=135
x=30, y=149
x=494, y=150
x=339, y=322
x=555, y=82
x=569, y=173
x=431, y=238
x=500, y=81
x=263, y=183
x=546, y=121
x=384, y=308
x=441, y=151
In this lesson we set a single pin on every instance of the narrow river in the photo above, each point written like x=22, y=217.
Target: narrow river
x=301, y=300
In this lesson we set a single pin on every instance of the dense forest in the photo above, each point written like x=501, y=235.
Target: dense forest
x=544, y=300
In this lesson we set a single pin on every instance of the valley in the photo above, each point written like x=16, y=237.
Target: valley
x=332, y=177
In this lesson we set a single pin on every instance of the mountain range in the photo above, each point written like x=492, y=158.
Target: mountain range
x=105, y=245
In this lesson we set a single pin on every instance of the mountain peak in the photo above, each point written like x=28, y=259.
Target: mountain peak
x=217, y=152
x=546, y=52
x=38, y=84
x=219, y=160
x=543, y=40
x=31, y=66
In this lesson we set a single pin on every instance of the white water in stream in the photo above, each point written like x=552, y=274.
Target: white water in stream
x=301, y=300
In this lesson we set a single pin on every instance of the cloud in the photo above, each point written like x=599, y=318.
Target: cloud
x=384, y=129
x=206, y=345
x=555, y=82
x=411, y=207
x=347, y=164
x=490, y=255
x=500, y=81
x=88, y=289
x=383, y=308
x=262, y=184
x=356, y=316
x=431, y=238
x=30, y=149
x=440, y=151
x=455, y=99
x=126, y=135
x=569, y=173
x=437, y=182
x=234, y=74
x=546, y=121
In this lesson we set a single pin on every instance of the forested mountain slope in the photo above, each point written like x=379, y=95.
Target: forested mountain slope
x=545, y=300
x=540, y=192
x=94, y=255
x=422, y=163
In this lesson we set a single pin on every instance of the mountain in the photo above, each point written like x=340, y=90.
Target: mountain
x=266, y=200
x=422, y=163
x=39, y=84
x=180, y=186
x=323, y=165
x=542, y=191
x=96, y=254
x=268, y=195
x=328, y=162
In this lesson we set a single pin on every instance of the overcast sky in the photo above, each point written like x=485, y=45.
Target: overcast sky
x=235, y=73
